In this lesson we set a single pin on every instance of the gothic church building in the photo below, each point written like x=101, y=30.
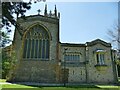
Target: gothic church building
x=42, y=58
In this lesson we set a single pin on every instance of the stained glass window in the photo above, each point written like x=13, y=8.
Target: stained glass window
x=36, y=44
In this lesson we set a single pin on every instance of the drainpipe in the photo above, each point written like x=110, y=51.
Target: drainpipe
x=86, y=63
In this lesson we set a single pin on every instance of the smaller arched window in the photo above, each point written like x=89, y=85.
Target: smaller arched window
x=36, y=44
x=100, y=56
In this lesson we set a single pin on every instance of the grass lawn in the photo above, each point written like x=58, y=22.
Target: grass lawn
x=119, y=79
x=23, y=87
x=2, y=80
x=81, y=87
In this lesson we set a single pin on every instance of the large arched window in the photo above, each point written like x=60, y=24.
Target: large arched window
x=36, y=44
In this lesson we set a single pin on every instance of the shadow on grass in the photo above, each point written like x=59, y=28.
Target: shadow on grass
x=60, y=85
x=83, y=86
x=54, y=87
x=68, y=86
x=39, y=86
x=35, y=87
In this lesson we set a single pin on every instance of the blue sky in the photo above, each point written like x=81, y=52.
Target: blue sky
x=81, y=22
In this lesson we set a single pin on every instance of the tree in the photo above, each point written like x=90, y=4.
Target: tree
x=10, y=13
x=9, y=61
x=6, y=60
x=4, y=39
x=115, y=34
x=115, y=37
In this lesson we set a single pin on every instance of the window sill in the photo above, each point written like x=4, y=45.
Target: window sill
x=101, y=67
x=34, y=59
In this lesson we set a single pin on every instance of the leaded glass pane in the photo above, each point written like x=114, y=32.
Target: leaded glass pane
x=73, y=57
x=68, y=57
x=97, y=56
x=32, y=49
x=65, y=57
x=28, y=49
x=25, y=49
x=36, y=48
x=43, y=49
x=47, y=49
x=102, y=58
x=78, y=57
x=40, y=49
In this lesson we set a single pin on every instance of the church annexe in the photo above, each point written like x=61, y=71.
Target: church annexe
x=42, y=58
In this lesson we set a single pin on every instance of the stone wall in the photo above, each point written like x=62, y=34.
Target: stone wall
x=36, y=71
x=77, y=75
x=100, y=74
x=76, y=70
x=28, y=70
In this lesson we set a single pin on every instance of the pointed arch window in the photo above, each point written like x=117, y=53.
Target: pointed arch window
x=36, y=44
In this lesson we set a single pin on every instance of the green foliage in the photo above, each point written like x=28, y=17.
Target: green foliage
x=118, y=62
x=118, y=68
x=10, y=12
x=5, y=64
x=2, y=80
x=6, y=68
x=8, y=62
x=13, y=8
x=4, y=39
x=15, y=86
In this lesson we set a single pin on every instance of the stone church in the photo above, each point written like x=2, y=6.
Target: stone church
x=42, y=58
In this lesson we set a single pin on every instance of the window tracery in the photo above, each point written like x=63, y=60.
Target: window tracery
x=36, y=44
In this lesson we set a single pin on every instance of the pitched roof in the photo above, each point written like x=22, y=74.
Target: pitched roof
x=98, y=41
x=72, y=45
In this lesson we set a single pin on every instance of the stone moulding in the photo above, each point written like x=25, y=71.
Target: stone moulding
x=39, y=17
x=98, y=41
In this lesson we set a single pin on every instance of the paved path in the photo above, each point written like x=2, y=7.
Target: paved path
x=1, y=83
